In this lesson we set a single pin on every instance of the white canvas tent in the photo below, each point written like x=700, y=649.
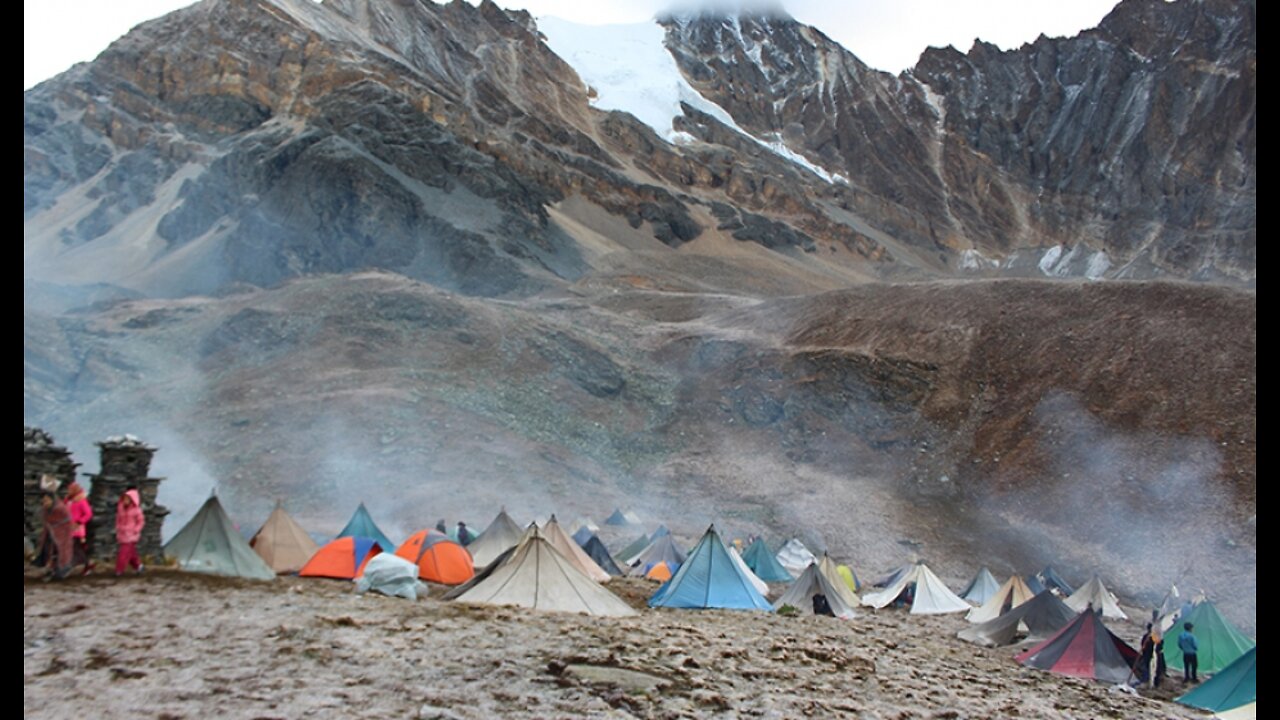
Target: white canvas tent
x=981, y=587
x=537, y=576
x=761, y=586
x=810, y=583
x=1096, y=594
x=572, y=551
x=932, y=596
x=795, y=557
x=1011, y=594
x=502, y=533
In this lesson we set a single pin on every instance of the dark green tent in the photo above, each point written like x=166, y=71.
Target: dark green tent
x=1235, y=685
x=1220, y=642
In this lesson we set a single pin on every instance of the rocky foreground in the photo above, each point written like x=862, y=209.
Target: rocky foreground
x=172, y=645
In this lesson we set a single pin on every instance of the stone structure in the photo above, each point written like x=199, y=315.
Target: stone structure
x=41, y=455
x=126, y=461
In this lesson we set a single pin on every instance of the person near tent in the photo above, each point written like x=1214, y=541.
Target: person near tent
x=1189, y=646
x=1157, y=638
x=822, y=606
x=464, y=535
x=81, y=513
x=55, y=534
x=1146, y=654
x=441, y=527
x=129, y=524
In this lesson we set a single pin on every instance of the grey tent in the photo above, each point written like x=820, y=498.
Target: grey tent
x=209, y=543
x=1038, y=618
x=537, y=576
x=600, y=554
x=632, y=550
x=810, y=583
x=617, y=518
x=1011, y=594
x=501, y=534
x=981, y=587
x=582, y=535
x=661, y=550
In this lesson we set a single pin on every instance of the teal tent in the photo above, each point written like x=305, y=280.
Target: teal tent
x=209, y=543
x=1235, y=685
x=361, y=524
x=1220, y=642
x=764, y=564
x=710, y=578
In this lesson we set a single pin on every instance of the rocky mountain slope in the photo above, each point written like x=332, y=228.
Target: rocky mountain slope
x=410, y=254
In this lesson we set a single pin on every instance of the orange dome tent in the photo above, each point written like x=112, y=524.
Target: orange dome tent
x=439, y=559
x=343, y=558
x=660, y=572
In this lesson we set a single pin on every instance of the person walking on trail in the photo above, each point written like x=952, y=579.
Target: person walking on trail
x=55, y=533
x=1189, y=646
x=81, y=513
x=129, y=524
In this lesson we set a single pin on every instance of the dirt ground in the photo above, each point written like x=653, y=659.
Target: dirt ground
x=175, y=645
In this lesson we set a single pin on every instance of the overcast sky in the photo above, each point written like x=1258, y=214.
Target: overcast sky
x=886, y=34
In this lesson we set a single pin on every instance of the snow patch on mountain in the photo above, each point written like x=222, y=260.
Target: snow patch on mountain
x=631, y=70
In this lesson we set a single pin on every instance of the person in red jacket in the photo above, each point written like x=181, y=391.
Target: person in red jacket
x=81, y=514
x=129, y=523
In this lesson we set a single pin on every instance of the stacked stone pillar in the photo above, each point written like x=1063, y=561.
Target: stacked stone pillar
x=126, y=462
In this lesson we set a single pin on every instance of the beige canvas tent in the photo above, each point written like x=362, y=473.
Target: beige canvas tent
x=1011, y=594
x=931, y=595
x=537, y=576
x=810, y=583
x=831, y=571
x=1096, y=594
x=502, y=534
x=282, y=543
x=572, y=551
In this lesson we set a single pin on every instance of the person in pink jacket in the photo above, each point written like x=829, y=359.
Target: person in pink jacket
x=129, y=523
x=81, y=514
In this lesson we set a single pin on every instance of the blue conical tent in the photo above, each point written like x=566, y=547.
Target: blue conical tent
x=764, y=564
x=361, y=524
x=1235, y=685
x=709, y=578
x=582, y=536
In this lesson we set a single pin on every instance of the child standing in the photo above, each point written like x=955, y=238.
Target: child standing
x=129, y=523
x=81, y=514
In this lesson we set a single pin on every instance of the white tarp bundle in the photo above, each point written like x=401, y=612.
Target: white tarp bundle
x=391, y=575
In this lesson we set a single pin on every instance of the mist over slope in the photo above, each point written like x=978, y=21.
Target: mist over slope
x=408, y=254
